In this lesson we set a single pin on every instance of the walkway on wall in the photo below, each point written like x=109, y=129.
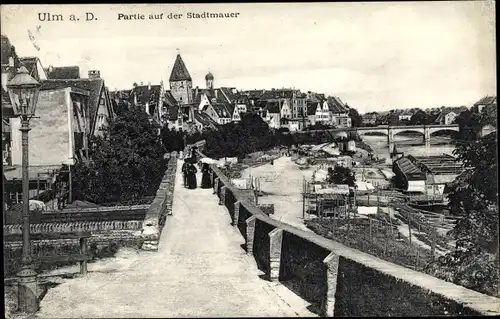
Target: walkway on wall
x=200, y=269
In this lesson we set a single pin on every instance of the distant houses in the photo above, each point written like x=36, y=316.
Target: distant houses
x=369, y=119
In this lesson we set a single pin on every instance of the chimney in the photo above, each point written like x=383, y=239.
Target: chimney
x=149, y=86
x=94, y=74
x=142, y=83
x=11, y=62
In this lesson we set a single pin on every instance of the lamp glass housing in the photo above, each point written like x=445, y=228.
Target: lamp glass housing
x=23, y=91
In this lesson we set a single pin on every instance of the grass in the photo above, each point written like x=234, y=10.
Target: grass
x=382, y=243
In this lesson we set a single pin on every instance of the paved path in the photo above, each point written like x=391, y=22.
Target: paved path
x=199, y=270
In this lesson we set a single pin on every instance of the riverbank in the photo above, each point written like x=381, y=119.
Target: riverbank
x=282, y=184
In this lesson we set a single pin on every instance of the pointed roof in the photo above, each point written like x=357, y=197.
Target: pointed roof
x=179, y=71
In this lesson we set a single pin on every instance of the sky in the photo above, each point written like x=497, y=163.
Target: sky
x=374, y=56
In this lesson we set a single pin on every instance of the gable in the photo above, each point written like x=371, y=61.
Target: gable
x=95, y=87
x=236, y=114
x=318, y=108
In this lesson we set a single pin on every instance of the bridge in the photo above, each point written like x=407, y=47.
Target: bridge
x=219, y=255
x=391, y=131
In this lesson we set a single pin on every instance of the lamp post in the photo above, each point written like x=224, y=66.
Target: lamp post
x=23, y=91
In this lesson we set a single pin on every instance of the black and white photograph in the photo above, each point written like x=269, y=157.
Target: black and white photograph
x=292, y=159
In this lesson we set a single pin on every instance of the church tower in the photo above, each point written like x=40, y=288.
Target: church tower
x=181, y=83
x=209, y=79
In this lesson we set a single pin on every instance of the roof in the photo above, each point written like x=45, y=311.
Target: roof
x=64, y=73
x=204, y=119
x=7, y=50
x=253, y=94
x=335, y=105
x=228, y=94
x=123, y=94
x=197, y=93
x=312, y=107
x=407, y=166
x=179, y=71
x=169, y=99
x=93, y=86
x=146, y=93
x=272, y=107
x=242, y=99
x=315, y=97
x=484, y=101
x=30, y=63
x=222, y=110
x=438, y=164
x=230, y=107
x=277, y=94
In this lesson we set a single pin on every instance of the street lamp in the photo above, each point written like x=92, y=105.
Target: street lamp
x=23, y=91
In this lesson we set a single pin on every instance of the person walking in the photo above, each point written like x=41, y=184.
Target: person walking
x=205, y=177
x=184, y=172
x=191, y=176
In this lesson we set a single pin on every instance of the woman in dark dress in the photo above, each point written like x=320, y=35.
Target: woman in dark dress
x=205, y=177
x=191, y=171
x=184, y=172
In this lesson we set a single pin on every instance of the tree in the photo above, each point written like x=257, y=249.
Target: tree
x=356, y=119
x=251, y=134
x=125, y=165
x=419, y=118
x=341, y=175
x=393, y=119
x=473, y=195
x=172, y=140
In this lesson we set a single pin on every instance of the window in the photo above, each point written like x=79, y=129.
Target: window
x=182, y=84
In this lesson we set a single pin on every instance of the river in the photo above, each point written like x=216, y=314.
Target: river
x=408, y=145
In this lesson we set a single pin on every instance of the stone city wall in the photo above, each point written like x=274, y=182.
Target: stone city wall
x=339, y=280
x=160, y=208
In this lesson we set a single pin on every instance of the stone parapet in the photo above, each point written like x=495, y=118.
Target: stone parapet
x=344, y=281
x=160, y=208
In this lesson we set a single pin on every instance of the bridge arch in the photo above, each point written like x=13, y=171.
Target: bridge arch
x=399, y=131
x=448, y=130
x=381, y=132
x=433, y=130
